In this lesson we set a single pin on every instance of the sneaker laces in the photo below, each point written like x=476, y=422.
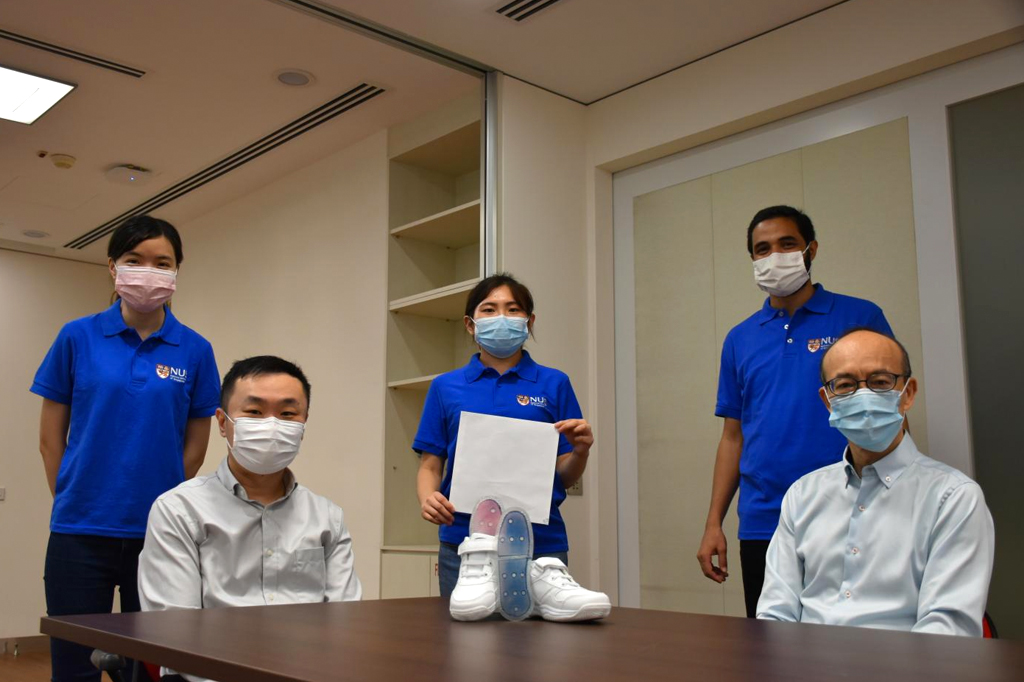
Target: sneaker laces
x=475, y=565
x=560, y=576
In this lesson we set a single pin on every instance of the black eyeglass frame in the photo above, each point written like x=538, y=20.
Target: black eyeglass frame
x=830, y=384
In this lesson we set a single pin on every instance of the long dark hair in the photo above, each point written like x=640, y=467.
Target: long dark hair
x=138, y=229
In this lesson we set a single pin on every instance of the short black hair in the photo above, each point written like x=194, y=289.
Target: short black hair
x=520, y=293
x=800, y=219
x=138, y=229
x=903, y=351
x=257, y=366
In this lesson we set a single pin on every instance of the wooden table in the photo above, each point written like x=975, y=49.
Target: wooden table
x=414, y=639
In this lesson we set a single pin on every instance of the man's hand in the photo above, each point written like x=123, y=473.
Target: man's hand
x=713, y=544
x=437, y=509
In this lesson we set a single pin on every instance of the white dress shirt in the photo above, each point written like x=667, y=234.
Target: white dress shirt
x=208, y=545
x=906, y=546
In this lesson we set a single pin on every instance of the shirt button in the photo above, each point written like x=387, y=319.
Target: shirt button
x=855, y=550
x=786, y=327
x=270, y=552
x=781, y=313
x=789, y=340
x=862, y=507
x=888, y=479
x=847, y=594
x=271, y=597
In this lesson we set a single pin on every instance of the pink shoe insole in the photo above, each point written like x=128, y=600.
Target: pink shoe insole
x=486, y=517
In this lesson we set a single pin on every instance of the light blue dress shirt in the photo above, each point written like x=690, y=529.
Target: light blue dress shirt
x=906, y=546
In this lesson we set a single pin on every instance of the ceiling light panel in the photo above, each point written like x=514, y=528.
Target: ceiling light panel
x=24, y=97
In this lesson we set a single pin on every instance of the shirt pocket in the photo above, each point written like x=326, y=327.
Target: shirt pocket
x=308, y=579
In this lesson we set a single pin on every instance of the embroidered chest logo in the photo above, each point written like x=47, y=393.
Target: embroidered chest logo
x=172, y=373
x=814, y=345
x=532, y=401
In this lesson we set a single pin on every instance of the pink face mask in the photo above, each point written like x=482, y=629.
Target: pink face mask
x=144, y=289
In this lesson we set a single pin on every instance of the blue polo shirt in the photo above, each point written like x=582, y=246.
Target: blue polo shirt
x=769, y=381
x=527, y=391
x=130, y=400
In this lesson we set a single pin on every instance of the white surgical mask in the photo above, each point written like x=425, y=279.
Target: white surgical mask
x=781, y=274
x=265, y=446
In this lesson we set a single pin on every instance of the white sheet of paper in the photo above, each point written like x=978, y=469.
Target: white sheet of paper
x=511, y=460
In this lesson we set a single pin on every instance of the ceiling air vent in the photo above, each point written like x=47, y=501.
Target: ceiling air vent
x=358, y=95
x=523, y=9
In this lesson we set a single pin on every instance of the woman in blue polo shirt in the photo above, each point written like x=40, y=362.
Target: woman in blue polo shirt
x=127, y=398
x=501, y=380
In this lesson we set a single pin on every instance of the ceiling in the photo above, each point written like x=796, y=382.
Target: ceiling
x=208, y=91
x=585, y=49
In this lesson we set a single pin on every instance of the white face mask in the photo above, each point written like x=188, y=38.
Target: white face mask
x=265, y=446
x=781, y=274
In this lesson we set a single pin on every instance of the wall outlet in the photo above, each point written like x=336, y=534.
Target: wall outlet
x=575, y=489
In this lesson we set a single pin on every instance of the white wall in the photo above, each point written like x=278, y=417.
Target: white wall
x=38, y=295
x=298, y=269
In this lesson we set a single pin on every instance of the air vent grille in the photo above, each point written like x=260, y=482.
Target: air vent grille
x=524, y=9
x=358, y=95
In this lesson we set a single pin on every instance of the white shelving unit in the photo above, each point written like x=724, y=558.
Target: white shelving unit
x=435, y=258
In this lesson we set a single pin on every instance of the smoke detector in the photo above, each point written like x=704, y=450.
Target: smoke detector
x=62, y=161
x=127, y=174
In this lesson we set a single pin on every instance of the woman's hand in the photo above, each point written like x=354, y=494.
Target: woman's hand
x=578, y=433
x=437, y=509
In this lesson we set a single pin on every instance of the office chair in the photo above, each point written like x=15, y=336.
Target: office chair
x=988, y=627
x=115, y=664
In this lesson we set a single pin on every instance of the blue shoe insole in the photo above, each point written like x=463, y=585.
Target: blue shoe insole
x=515, y=549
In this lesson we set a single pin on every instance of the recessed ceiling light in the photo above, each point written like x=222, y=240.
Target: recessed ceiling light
x=295, y=77
x=36, y=234
x=24, y=97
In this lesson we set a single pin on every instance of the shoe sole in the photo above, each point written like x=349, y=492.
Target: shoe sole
x=486, y=517
x=588, y=612
x=515, y=549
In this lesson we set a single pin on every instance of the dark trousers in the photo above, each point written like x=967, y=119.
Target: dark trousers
x=752, y=553
x=80, y=576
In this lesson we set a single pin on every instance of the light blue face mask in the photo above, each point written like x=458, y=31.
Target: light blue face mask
x=501, y=336
x=868, y=419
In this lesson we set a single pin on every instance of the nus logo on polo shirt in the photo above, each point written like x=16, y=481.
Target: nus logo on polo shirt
x=814, y=345
x=530, y=400
x=172, y=373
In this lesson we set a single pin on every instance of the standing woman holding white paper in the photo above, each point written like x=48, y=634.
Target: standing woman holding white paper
x=501, y=380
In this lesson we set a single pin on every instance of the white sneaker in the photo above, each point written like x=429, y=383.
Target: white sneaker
x=557, y=597
x=476, y=593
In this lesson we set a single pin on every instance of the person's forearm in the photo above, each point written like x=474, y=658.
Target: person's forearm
x=725, y=481
x=52, y=454
x=571, y=467
x=197, y=438
x=428, y=482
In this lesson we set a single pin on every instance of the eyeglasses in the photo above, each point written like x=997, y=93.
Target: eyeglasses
x=879, y=382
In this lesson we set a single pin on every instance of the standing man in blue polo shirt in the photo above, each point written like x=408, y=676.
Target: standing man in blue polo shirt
x=776, y=428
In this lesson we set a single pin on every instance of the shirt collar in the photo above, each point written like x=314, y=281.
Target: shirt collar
x=231, y=484
x=890, y=467
x=820, y=302
x=526, y=368
x=112, y=323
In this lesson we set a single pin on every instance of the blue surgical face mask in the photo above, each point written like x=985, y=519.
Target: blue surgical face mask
x=868, y=419
x=501, y=336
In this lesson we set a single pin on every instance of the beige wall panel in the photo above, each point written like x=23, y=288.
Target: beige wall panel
x=418, y=346
x=405, y=575
x=857, y=189
x=737, y=194
x=542, y=219
x=38, y=295
x=298, y=269
x=416, y=193
x=676, y=369
x=402, y=522
x=415, y=267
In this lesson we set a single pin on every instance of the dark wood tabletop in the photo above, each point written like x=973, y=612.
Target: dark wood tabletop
x=414, y=639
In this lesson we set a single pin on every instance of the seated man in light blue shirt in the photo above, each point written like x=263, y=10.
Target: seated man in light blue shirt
x=887, y=537
x=249, y=534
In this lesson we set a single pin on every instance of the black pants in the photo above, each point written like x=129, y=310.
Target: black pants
x=81, y=574
x=752, y=553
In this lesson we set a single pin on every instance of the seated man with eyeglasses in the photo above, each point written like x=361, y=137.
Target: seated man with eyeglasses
x=887, y=537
